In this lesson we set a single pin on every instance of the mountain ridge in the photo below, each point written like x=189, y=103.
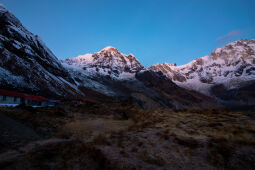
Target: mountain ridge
x=232, y=66
x=27, y=65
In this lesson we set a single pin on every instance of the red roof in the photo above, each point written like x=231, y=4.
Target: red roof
x=22, y=95
x=32, y=97
x=10, y=93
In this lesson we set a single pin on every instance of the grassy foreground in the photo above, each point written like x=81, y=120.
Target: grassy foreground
x=120, y=136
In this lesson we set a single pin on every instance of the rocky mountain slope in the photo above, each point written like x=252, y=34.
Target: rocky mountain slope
x=231, y=67
x=171, y=95
x=26, y=64
x=122, y=76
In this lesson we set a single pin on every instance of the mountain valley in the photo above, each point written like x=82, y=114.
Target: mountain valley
x=111, y=112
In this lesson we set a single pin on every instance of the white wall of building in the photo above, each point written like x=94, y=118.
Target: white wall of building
x=9, y=100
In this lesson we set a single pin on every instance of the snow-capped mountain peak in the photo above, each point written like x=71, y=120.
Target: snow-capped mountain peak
x=109, y=61
x=227, y=65
x=109, y=48
x=108, y=52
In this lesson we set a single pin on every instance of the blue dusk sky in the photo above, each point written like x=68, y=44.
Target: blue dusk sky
x=155, y=31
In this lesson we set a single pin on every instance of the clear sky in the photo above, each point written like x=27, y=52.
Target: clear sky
x=155, y=31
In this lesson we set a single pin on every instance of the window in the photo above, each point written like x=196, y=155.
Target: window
x=4, y=98
x=15, y=99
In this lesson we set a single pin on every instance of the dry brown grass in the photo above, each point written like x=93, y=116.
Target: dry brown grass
x=187, y=135
x=155, y=138
x=93, y=128
x=197, y=124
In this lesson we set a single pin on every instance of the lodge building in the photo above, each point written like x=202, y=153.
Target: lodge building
x=10, y=98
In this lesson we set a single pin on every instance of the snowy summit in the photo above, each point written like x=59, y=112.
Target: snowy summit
x=109, y=61
x=228, y=65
